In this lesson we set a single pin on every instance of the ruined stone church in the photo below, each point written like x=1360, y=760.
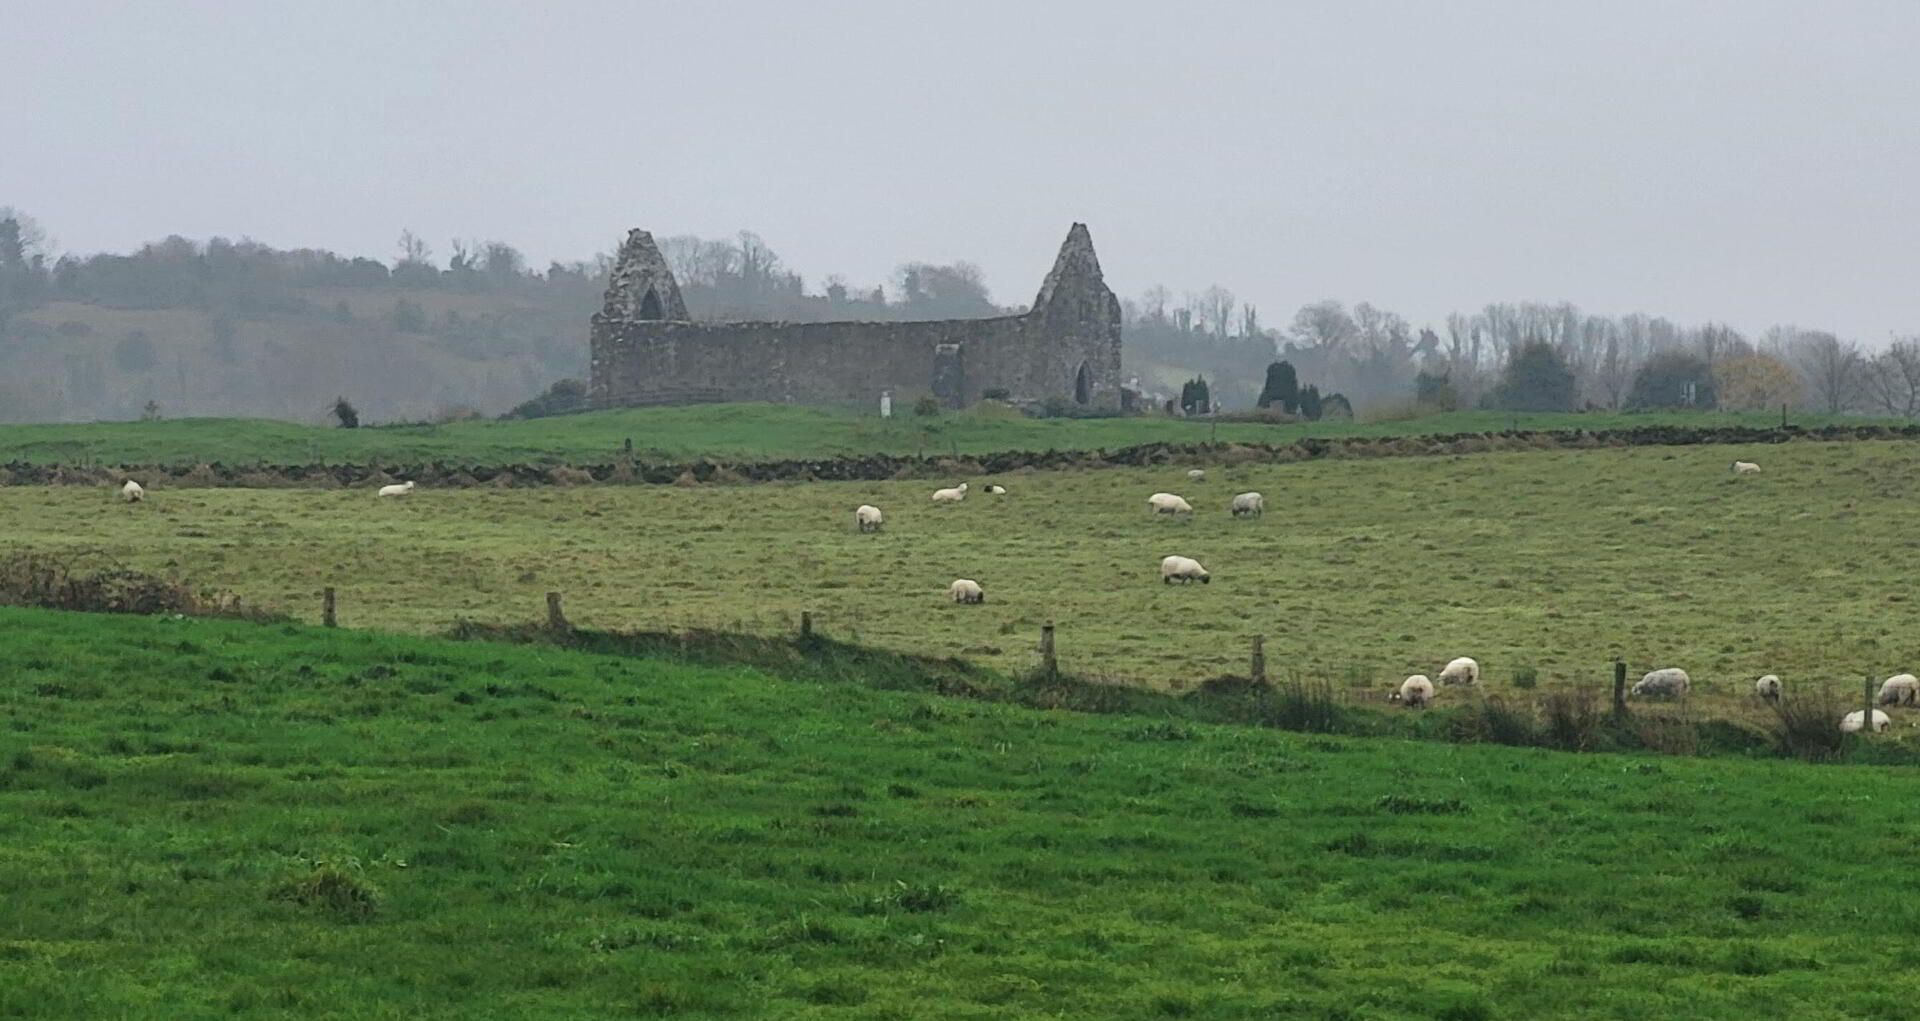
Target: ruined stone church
x=646, y=350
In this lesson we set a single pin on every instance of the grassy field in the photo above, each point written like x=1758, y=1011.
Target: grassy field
x=1361, y=571
x=207, y=819
x=745, y=432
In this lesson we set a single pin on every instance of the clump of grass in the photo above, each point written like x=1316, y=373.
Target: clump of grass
x=1526, y=676
x=1806, y=725
x=1404, y=804
x=331, y=890
x=1492, y=721
x=1572, y=720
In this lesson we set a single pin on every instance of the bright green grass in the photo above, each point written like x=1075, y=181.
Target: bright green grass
x=747, y=432
x=557, y=835
x=1361, y=571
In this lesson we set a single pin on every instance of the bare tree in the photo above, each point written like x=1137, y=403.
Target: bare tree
x=1215, y=308
x=1323, y=325
x=414, y=250
x=1153, y=303
x=1832, y=368
x=1892, y=378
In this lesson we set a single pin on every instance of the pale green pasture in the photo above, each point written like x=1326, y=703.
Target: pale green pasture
x=1361, y=571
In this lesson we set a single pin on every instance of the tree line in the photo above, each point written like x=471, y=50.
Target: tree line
x=479, y=329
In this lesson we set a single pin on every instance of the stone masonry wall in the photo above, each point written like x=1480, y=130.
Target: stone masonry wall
x=1067, y=347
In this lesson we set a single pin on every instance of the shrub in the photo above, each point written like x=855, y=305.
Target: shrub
x=70, y=582
x=927, y=407
x=1526, y=676
x=995, y=393
x=565, y=395
x=347, y=415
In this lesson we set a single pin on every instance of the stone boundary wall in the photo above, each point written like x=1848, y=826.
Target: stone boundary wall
x=876, y=467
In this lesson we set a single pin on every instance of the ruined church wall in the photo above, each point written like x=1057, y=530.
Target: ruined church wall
x=850, y=361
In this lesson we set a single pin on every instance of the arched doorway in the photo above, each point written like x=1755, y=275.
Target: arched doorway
x=1083, y=385
x=650, y=305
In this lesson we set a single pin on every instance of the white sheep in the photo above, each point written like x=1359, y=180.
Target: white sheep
x=1900, y=689
x=1249, y=505
x=1768, y=687
x=1167, y=503
x=132, y=492
x=1186, y=570
x=1745, y=468
x=1670, y=682
x=1464, y=670
x=996, y=490
x=867, y=518
x=400, y=490
x=1850, y=723
x=966, y=590
x=954, y=495
x=1196, y=475
x=1416, y=692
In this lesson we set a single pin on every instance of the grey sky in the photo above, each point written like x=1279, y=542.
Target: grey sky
x=1746, y=161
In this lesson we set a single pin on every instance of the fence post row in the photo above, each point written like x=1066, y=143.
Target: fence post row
x=555, y=619
x=1048, y=665
x=327, y=618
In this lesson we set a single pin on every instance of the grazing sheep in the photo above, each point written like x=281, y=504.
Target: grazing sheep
x=1249, y=505
x=1464, y=670
x=966, y=590
x=954, y=495
x=1196, y=475
x=1745, y=468
x=1415, y=692
x=867, y=518
x=132, y=492
x=1185, y=569
x=1768, y=687
x=400, y=490
x=1670, y=682
x=1900, y=689
x=1167, y=503
x=1850, y=723
x=996, y=490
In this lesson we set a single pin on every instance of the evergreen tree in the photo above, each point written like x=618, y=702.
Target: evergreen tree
x=1311, y=407
x=1282, y=388
x=1536, y=379
x=1673, y=379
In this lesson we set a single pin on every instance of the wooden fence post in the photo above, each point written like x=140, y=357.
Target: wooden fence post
x=1866, y=713
x=1259, y=671
x=327, y=618
x=1048, y=664
x=555, y=619
x=1619, y=686
x=806, y=624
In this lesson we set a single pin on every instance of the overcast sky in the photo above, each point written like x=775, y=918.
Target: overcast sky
x=1746, y=161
